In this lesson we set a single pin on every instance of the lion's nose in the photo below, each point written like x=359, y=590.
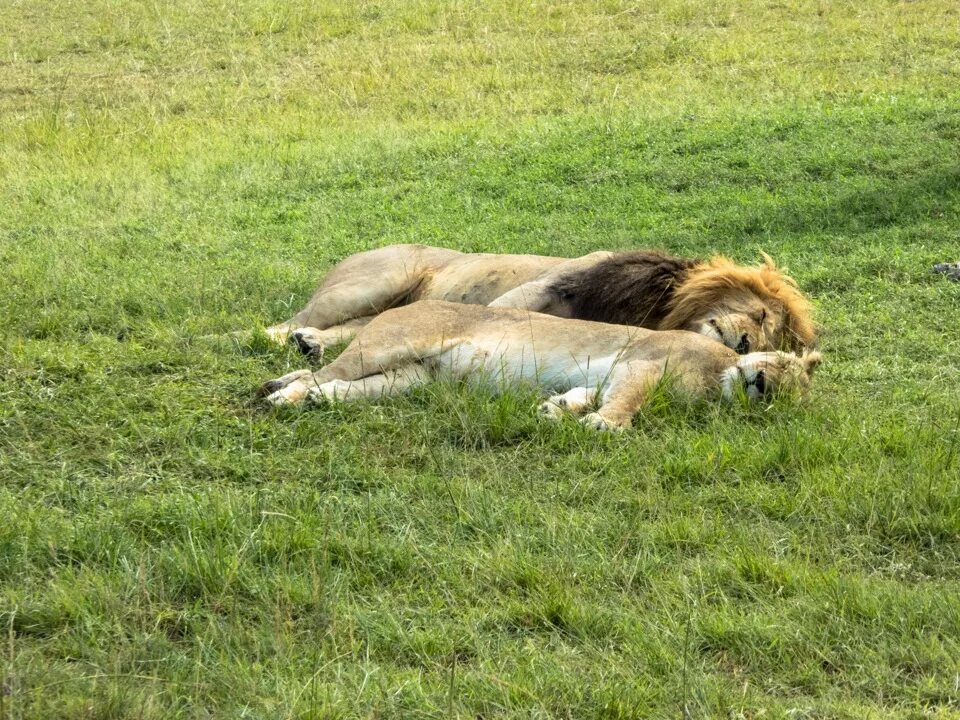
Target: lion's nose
x=743, y=347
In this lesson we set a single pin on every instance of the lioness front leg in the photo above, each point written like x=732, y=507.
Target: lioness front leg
x=392, y=382
x=574, y=401
x=628, y=390
x=379, y=385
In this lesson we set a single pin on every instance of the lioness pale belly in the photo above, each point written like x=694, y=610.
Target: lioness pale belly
x=496, y=361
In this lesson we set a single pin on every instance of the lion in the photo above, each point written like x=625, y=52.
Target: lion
x=587, y=363
x=746, y=308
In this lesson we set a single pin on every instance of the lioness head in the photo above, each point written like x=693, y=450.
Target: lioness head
x=748, y=309
x=762, y=374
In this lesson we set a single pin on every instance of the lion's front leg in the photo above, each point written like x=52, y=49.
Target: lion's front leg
x=575, y=401
x=539, y=296
x=534, y=296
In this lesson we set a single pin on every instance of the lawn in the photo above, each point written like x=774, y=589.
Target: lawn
x=172, y=172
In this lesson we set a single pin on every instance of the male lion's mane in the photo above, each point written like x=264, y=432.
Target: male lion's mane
x=630, y=288
x=664, y=292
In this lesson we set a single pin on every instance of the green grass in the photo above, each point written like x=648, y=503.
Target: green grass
x=173, y=171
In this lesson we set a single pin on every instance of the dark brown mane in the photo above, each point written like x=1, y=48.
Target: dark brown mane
x=631, y=288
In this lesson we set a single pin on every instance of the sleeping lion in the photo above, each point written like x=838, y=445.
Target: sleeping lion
x=612, y=367
x=745, y=308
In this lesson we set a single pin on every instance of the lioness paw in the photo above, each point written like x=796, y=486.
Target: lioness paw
x=292, y=394
x=269, y=388
x=272, y=386
x=331, y=391
x=596, y=421
x=551, y=410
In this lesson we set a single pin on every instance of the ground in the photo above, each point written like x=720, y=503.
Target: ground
x=173, y=171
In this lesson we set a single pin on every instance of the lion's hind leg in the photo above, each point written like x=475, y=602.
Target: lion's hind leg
x=280, y=334
x=364, y=285
x=575, y=401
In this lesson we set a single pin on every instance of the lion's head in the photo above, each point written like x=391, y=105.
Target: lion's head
x=761, y=374
x=748, y=309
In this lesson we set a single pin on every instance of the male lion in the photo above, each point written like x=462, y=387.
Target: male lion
x=404, y=347
x=746, y=308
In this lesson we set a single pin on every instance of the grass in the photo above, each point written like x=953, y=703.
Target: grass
x=171, y=172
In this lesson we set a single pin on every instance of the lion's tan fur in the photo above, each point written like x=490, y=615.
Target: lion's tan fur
x=750, y=308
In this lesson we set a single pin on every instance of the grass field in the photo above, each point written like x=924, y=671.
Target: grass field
x=173, y=171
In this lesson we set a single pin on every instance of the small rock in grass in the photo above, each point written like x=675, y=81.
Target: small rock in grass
x=950, y=269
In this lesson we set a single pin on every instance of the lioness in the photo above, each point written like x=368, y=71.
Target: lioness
x=745, y=308
x=406, y=346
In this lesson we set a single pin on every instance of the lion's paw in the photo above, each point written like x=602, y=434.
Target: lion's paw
x=596, y=421
x=309, y=341
x=272, y=386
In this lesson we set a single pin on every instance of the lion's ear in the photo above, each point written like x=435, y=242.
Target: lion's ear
x=811, y=361
x=768, y=261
